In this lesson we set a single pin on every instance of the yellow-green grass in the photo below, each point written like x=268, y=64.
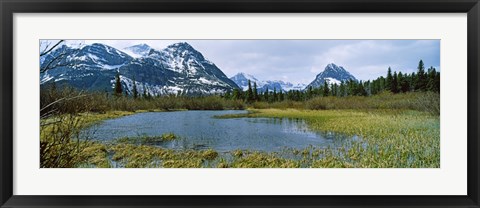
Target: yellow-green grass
x=146, y=140
x=145, y=156
x=389, y=139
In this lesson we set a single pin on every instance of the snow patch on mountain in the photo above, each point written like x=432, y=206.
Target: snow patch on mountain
x=137, y=51
x=331, y=81
x=332, y=74
x=241, y=79
x=179, y=68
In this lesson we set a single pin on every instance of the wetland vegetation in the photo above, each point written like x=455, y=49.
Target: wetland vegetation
x=393, y=130
x=103, y=108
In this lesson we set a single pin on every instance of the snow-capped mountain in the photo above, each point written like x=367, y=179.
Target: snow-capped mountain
x=241, y=79
x=138, y=51
x=332, y=74
x=179, y=68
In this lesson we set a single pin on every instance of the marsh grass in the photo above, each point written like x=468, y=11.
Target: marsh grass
x=396, y=131
x=389, y=139
x=147, y=140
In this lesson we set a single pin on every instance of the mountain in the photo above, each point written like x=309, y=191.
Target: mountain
x=91, y=67
x=332, y=74
x=138, y=51
x=241, y=79
x=179, y=68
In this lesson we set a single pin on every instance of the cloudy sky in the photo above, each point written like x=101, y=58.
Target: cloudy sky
x=299, y=61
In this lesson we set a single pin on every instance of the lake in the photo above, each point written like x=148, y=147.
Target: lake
x=200, y=130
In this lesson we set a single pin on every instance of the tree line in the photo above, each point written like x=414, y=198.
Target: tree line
x=420, y=81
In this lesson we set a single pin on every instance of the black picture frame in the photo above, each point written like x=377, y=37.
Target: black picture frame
x=9, y=7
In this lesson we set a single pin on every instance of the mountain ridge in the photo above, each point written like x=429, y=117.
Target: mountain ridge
x=332, y=74
x=241, y=79
x=177, y=69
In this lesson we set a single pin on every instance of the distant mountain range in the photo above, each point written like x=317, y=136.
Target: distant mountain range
x=241, y=79
x=177, y=69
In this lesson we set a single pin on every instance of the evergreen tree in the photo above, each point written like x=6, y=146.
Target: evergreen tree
x=381, y=84
x=236, y=94
x=145, y=96
x=389, y=80
x=437, y=82
x=334, y=89
x=265, y=94
x=118, y=85
x=280, y=96
x=342, y=89
x=274, y=94
x=403, y=85
x=298, y=97
x=227, y=95
x=412, y=81
x=309, y=92
x=249, y=95
x=255, y=92
x=394, y=84
x=431, y=82
x=135, y=91
x=325, y=88
x=361, y=89
x=421, y=81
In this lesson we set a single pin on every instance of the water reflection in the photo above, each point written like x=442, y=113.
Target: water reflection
x=199, y=130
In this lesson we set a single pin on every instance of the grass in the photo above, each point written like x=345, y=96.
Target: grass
x=396, y=131
x=389, y=139
x=146, y=140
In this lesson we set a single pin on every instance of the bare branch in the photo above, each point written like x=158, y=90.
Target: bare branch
x=50, y=49
x=62, y=99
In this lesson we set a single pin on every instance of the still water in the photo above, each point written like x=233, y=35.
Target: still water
x=200, y=130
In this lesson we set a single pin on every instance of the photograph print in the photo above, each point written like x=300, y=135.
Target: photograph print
x=239, y=103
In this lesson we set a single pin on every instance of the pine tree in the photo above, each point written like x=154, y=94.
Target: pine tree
x=335, y=89
x=412, y=81
x=118, y=85
x=309, y=92
x=274, y=94
x=265, y=94
x=361, y=89
x=145, y=95
x=342, y=89
x=236, y=94
x=249, y=95
x=421, y=81
x=135, y=91
x=280, y=96
x=389, y=80
x=432, y=73
x=227, y=95
x=437, y=82
x=255, y=92
x=403, y=85
x=394, y=84
x=325, y=88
